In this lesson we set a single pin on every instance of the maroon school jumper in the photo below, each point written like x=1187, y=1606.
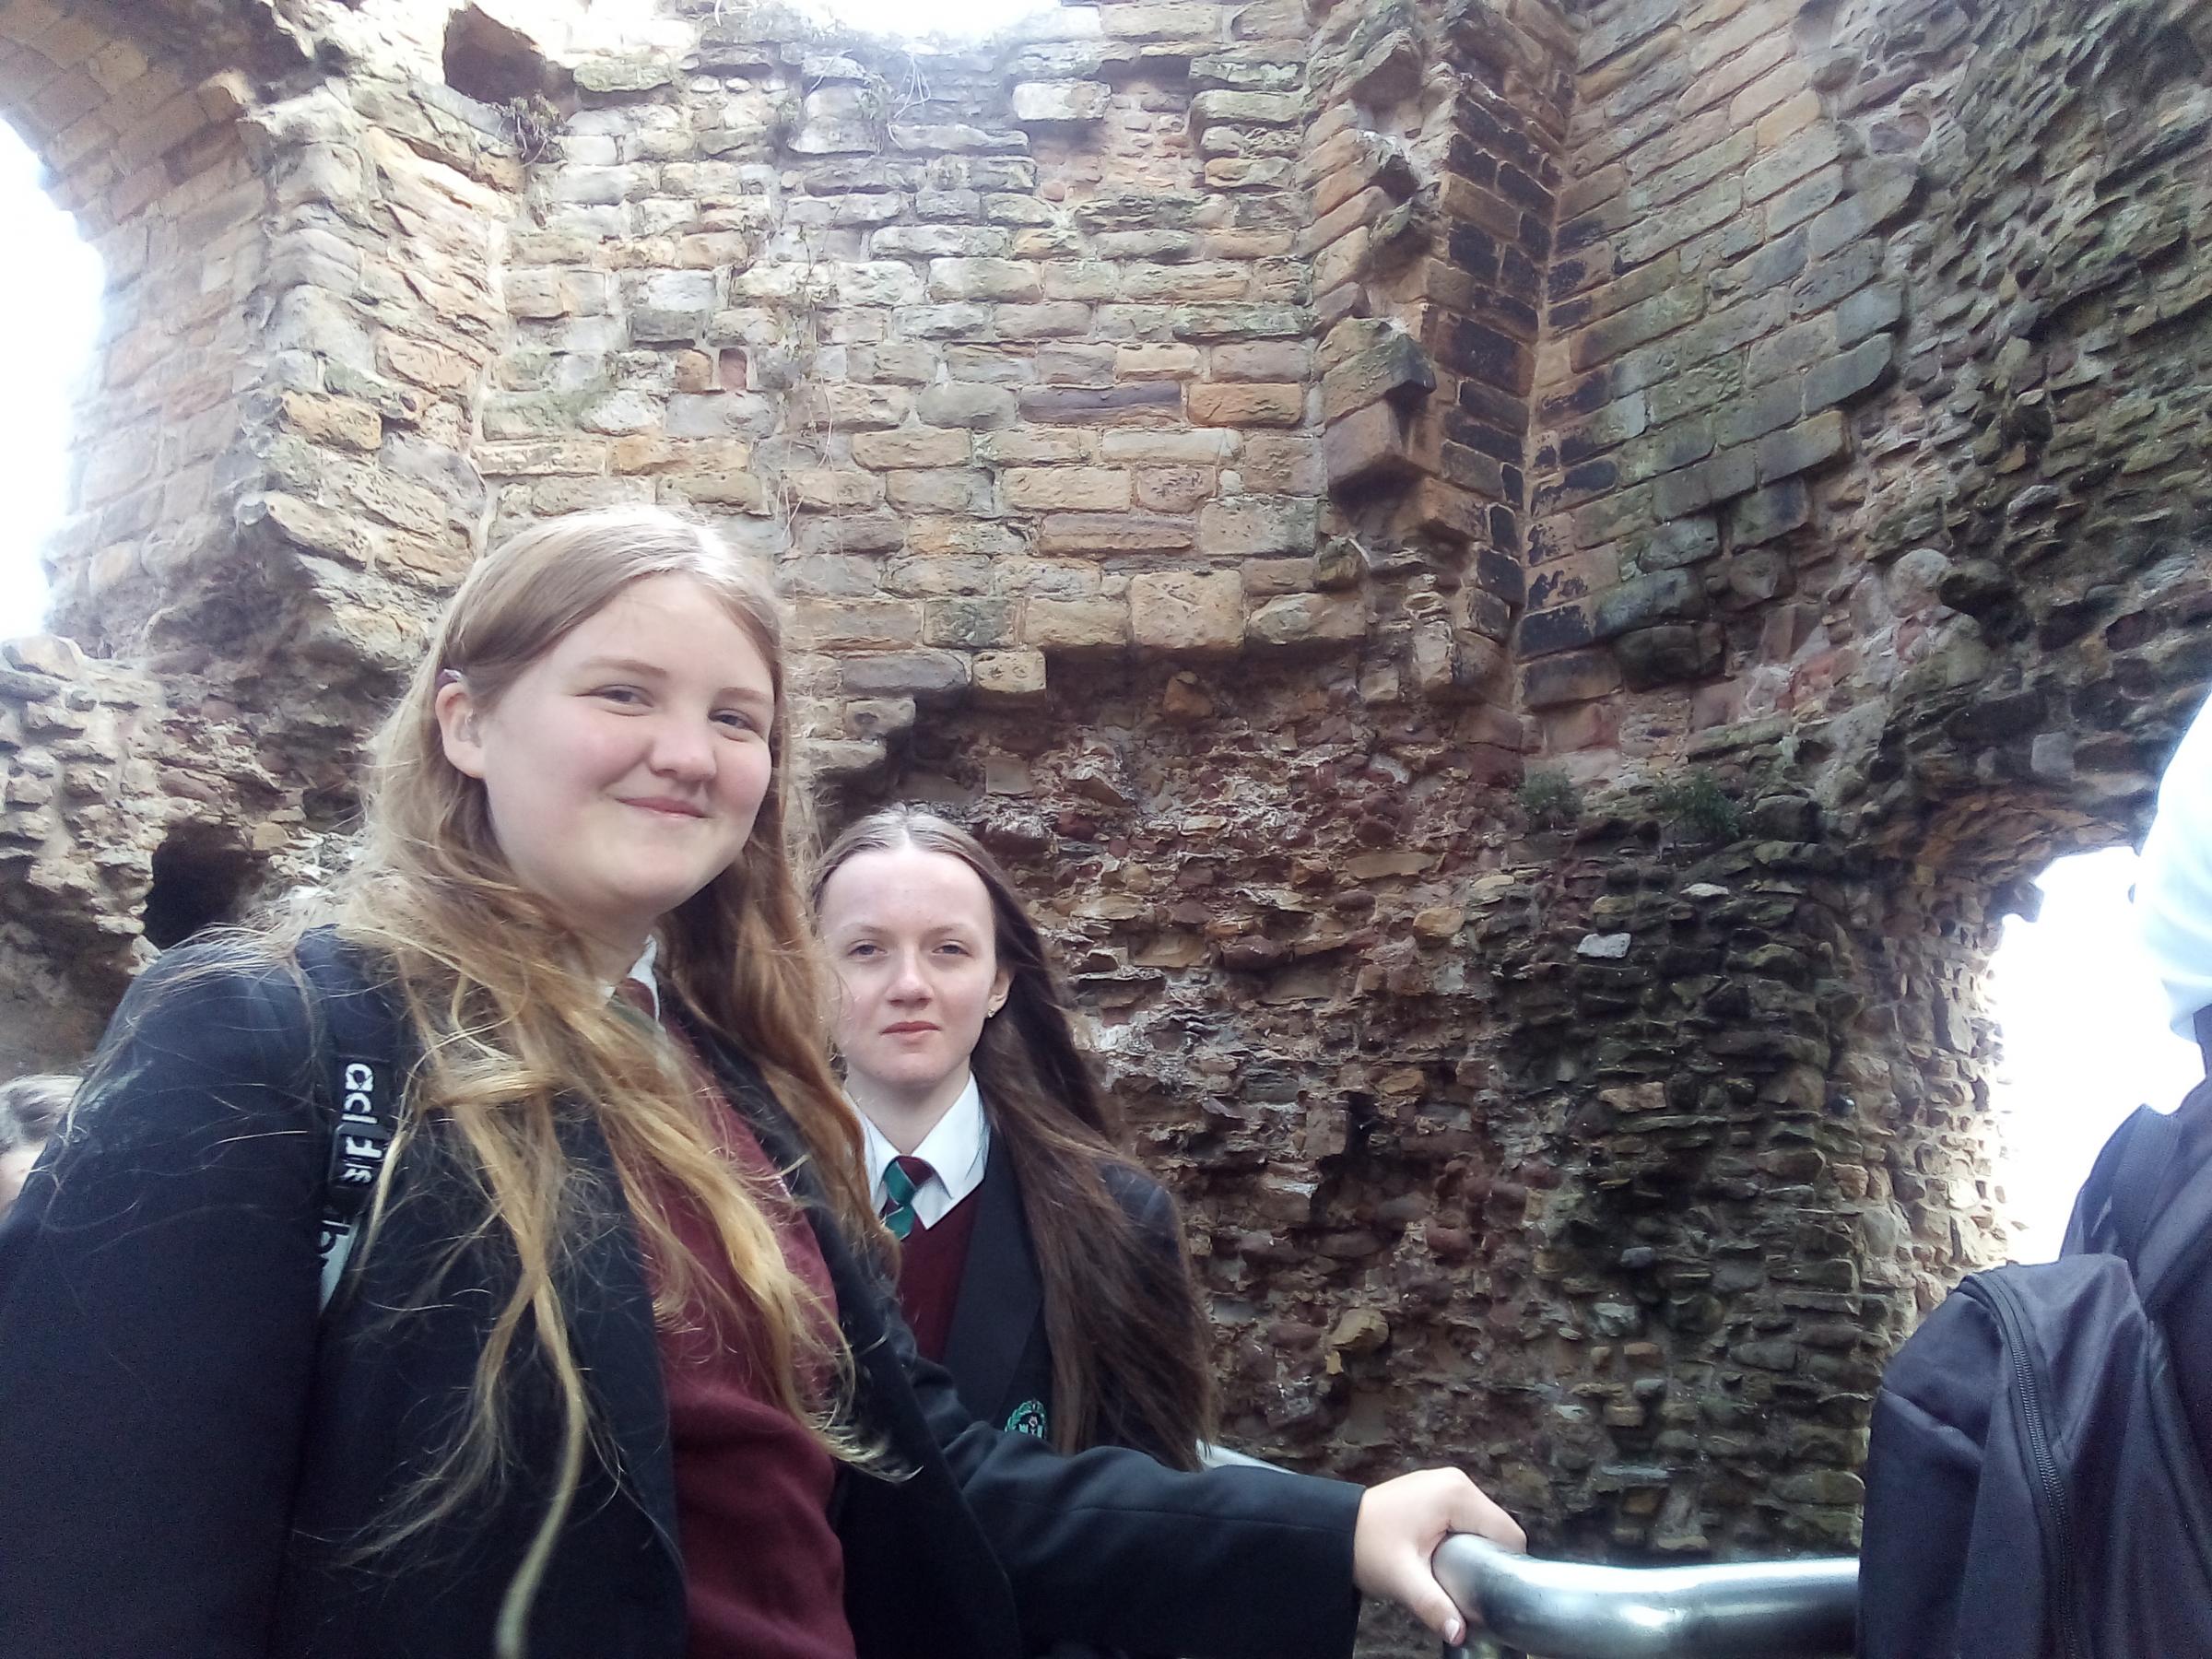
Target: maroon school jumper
x=764, y=1576
x=931, y=1260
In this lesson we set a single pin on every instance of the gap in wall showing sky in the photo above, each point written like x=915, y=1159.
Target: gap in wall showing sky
x=50, y=291
x=2085, y=1041
x=921, y=19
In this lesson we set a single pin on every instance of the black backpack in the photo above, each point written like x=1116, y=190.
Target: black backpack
x=2033, y=1487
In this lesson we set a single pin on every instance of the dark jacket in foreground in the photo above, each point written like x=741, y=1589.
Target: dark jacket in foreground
x=192, y=1447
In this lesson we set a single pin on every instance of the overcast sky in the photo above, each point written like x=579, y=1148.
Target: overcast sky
x=50, y=292
x=2084, y=1041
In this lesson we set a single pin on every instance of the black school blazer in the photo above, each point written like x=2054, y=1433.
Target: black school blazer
x=190, y=1447
x=996, y=1348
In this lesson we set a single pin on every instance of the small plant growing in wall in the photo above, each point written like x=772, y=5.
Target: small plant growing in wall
x=530, y=123
x=1550, y=800
x=1695, y=810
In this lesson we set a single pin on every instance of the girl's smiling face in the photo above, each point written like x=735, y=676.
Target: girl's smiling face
x=909, y=933
x=625, y=767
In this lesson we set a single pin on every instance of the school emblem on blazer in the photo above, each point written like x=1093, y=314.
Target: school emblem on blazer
x=1028, y=1419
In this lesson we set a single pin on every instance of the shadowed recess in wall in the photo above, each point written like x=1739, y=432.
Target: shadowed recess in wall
x=202, y=878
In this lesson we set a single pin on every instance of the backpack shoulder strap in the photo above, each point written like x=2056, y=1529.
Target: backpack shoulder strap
x=2177, y=1238
x=357, y=1060
x=2120, y=1199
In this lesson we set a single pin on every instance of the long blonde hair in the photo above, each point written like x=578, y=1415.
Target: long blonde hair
x=514, y=1029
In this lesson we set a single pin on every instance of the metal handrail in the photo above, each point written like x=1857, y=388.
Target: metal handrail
x=1571, y=1610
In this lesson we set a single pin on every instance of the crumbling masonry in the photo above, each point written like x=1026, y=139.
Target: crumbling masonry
x=1522, y=581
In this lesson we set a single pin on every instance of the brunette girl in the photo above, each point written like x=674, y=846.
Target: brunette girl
x=610, y=1370
x=1038, y=1263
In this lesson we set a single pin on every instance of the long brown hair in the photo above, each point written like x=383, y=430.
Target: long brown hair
x=1129, y=1360
x=515, y=1029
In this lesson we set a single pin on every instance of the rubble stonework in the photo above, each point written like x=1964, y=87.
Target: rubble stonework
x=1523, y=582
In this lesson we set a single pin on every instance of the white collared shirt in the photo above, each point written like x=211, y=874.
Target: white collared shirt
x=958, y=1151
x=642, y=971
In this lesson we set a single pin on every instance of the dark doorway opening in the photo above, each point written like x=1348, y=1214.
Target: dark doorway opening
x=202, y=878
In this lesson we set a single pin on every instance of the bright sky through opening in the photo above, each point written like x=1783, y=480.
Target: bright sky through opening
x=51, y=283
x=2085, y=1041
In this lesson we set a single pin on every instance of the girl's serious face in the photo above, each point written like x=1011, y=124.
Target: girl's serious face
x=910, y=934
x=625, y=767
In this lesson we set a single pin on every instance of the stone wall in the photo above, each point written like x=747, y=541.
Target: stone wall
x=1523, y=583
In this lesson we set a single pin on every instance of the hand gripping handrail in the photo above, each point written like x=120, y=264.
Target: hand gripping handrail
x=1804, y=1609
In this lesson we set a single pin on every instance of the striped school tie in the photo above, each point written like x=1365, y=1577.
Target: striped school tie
x=902, y=1178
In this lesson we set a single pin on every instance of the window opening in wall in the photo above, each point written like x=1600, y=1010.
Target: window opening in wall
x=2086, y=1042
x=50, y=284
x=202, y=878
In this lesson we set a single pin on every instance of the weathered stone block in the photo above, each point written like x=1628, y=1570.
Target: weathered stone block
x=1061, y=103
x=1149, y=361
x=1656, y=597
x=1075, y=624
x=955, y=489
x=919, y=673
x=1368, y=445
x=1246, y=109
x=741, y=491
x=936, y=241
x=1676, y=544
x=1767, y=513
x=1309, y=620
x=1031, y=446
x=1802, y=447
x=1263, y=578
x=1387, y=73
x=1248, y=173
x=1165, y=20
x=1241, y=404
x=1009, y=675
x=841, y=532
x=1870, y=309
x=838, y=120
x=831, y=488
x=1138, y=402
x=1066, y=489
x=966, y=403
x=954, y=137
x=1187, y=610
x=850, y=406
x=968, y=624
x=1197, y=449
x=1176, y=489
x=1225, y=322
x=1777, y=404
x=1842, y=378
x=1569, y=678
x=857, y=624
x=1651, y=657
x=913, y=447
x=959, y=280
x=1250, y=525
x=1662, y=313
x=1434, y=511
x=1100, y=533
x=1382, y=364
